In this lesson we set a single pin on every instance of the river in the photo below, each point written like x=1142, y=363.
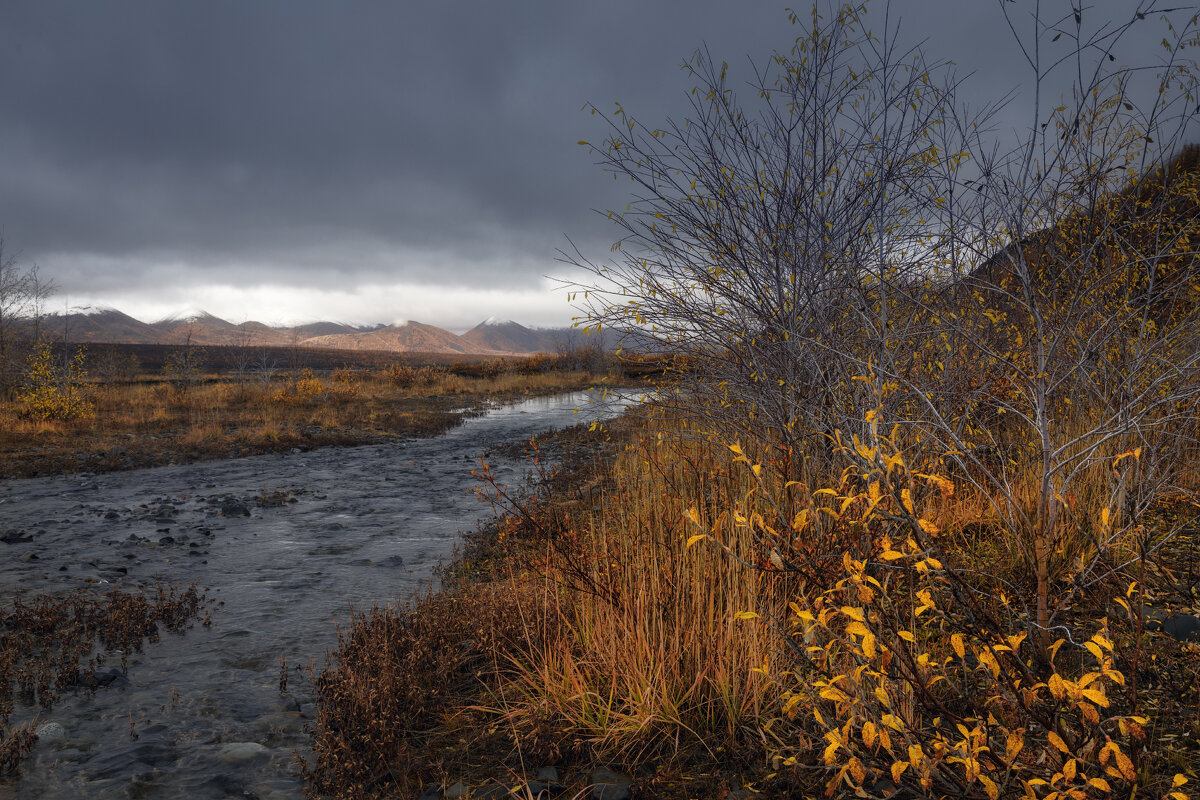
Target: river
x=284, y=545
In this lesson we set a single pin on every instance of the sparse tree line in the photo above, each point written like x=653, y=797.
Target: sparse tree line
x=888, y=313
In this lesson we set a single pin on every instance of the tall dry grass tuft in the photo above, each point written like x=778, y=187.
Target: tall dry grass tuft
x=652, y=660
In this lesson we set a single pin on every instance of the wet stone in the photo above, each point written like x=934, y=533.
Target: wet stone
x=234, y=508
x=15, y=537
x=241, y=751
x=50, y=732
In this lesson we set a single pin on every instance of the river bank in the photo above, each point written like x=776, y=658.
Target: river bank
x=435, y=700
x=155, y=423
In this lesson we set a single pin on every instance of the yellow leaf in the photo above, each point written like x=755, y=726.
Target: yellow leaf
x=1178, y=780
x=890, y=555
x=1057, y=742
x=928, y=526
x=956, y=641
x=745, y=615
x=1124, y=764
x=858, y=629
x=898, y=769
x=1101, y=784
x=868, y=646
x=857, y=771
x=1016, y=742
x=693, y=539
x=868, y=734
x=989, y=786
x=853, y=613
x=906, y=498
x=907, y=636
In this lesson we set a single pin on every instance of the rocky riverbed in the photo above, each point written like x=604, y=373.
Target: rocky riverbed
x=284, y=546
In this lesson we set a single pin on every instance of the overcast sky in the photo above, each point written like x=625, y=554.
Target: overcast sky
x=362, y=161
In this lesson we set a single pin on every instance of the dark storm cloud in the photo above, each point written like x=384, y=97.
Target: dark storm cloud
x=287, y=132
x=334, y=143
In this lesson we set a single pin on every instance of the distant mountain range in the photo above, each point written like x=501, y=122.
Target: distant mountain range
x=490, y=337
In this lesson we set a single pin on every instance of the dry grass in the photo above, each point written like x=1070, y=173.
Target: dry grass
x=652, y=662
x=155, y=422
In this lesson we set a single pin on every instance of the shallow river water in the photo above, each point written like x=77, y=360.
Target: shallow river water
x=286, y=544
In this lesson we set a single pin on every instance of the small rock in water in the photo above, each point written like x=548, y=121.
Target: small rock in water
x=30, y=556
x=14, y=537
x=241, y=751
x=111, y=677
x=458, y=789
x=234, y=508
x=51, y=732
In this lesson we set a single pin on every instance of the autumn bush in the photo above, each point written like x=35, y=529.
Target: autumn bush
x=910, y=666
x=54, y=386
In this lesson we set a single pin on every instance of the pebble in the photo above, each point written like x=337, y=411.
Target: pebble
x=50, y=732
x=288, y=722
x=234, y=508
x=241, y=751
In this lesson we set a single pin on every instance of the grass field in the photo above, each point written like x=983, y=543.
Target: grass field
x=147, y=418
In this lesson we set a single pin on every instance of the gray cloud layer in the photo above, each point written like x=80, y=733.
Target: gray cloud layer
x=324, y=144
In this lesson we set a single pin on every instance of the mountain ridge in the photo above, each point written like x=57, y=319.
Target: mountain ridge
x=196, y=326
